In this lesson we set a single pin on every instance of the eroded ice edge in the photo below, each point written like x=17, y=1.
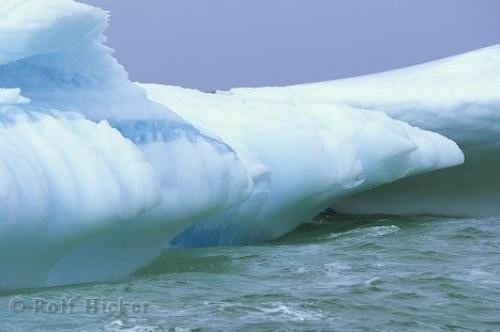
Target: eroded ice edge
x=96, y=179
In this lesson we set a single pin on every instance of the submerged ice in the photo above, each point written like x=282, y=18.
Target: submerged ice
x=96, y=179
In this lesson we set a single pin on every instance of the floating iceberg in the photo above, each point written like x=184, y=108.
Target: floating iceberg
x=96, y=179
x=458, y=97
x=311, y=150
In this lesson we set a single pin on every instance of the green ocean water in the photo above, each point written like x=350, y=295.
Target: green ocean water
x=366, y=273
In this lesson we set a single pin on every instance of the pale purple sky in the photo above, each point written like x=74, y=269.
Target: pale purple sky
x=218, y=44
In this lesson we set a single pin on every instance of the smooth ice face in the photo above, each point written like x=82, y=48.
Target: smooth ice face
x=12, y=97
x=458, y=97
x=316, y=153
x=94, y=178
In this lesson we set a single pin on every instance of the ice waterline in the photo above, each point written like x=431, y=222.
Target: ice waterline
x=96, y=179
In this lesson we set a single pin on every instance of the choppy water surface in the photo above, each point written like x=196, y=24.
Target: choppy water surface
x=343, y=273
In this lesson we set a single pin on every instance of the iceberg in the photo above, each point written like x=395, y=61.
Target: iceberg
x=311, y=149
x=458, y=97
x=97, y=179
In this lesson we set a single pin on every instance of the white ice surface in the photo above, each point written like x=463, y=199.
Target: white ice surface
x=316, y=153
x=95, y=179
x=458, y=97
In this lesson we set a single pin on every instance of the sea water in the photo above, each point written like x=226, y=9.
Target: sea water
x=368, y=273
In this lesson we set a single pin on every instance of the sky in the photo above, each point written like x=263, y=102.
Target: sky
x=219, y=44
